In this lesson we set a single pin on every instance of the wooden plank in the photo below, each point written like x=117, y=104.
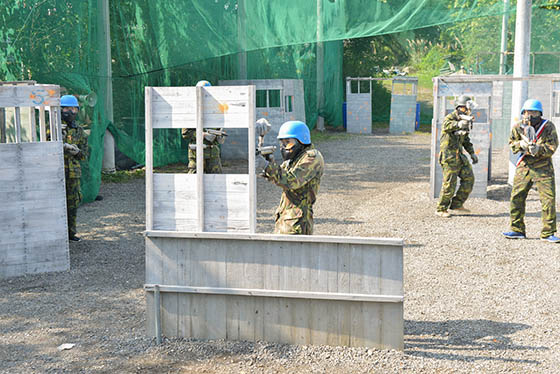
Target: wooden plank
x=226, y=107
x=183, y=278
x=214, y=182
x=29, y=96
x=274, y=293
x=149, y=159
x=169, y=302
x=154, y=274
x=17, y=122
x=42, y=125
x=32, y=125
x=343, y=284
x=396, y=243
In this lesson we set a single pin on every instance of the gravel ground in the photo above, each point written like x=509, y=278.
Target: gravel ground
x=474, y=302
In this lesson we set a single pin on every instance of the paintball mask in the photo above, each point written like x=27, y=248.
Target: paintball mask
x=69, y=116
x=532, y=117
x=290, y=148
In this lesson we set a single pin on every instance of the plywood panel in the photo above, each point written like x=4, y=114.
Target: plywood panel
x=302, y=290
x=225, y=208
x=358, y=113
x=175, y=107
x=29, y=96
x=34, y=235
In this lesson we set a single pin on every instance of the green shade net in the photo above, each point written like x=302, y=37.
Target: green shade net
x=177, y=43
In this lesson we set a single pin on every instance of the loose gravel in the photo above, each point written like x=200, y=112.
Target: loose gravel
x=474, y=301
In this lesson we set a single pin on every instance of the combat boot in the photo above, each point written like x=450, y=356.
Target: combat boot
x=461, y=209
x=443, y=214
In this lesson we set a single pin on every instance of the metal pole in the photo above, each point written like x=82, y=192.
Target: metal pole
x=320, y=69
x=503, y=46
x=242, y=37
x=107, y=88
x=520, y=89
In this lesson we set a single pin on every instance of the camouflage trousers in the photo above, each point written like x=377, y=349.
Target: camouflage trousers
x=294, y=221
x=449, y=199
x=73, y=199
x=543, y=179
x=212, y=161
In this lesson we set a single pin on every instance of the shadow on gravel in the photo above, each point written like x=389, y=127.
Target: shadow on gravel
x=431, y=339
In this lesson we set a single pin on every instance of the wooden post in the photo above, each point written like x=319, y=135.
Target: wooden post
x=149, y=160
x=157, y=312
x=252, y=176
x=199, y=158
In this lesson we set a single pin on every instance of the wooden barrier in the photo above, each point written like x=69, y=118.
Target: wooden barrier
x=34, y=234
x=279, y=288
x=200, y=202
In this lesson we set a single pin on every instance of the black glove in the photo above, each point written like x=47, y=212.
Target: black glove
x=474, y=158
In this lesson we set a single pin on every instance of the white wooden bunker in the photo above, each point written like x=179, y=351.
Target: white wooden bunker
x=403, y=104
x=277, y=100
x=245, y=286
x=200, y=202
x=34, y=234
x=493, y=120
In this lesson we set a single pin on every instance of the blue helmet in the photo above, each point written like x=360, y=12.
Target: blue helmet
x=69, y=100
x=203, y=84
x=295, y=129
x=532, y=104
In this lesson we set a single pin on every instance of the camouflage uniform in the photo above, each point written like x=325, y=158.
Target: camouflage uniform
x=537, y=170
x=300, y=179
x=73, y=172
x=454, y=164
x=212, y=160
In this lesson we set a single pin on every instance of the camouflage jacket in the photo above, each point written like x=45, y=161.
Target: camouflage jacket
x=300, y=180
x=190, y=136
x=547, y=141
x=451, y=142
x=75, y=135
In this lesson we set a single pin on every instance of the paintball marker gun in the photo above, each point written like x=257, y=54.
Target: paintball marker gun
x=211, y=135
x=262, y=128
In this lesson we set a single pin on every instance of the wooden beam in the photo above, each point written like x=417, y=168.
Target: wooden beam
x=283, y=238
x=274, y=293
x=149, y=159
x=199, y=158
x=252, y=173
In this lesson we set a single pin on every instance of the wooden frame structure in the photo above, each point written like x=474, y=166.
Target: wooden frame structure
x=279, y=288
x=200, y=202
x=34, y=235
x=403, y=105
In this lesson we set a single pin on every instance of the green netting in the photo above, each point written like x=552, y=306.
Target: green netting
x=177, y=43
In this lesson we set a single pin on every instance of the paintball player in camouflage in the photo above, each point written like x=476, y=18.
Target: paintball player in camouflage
x=535, y=139
x=454, y=138
x=211, y=143
x=299, y=176
x=75, y=150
